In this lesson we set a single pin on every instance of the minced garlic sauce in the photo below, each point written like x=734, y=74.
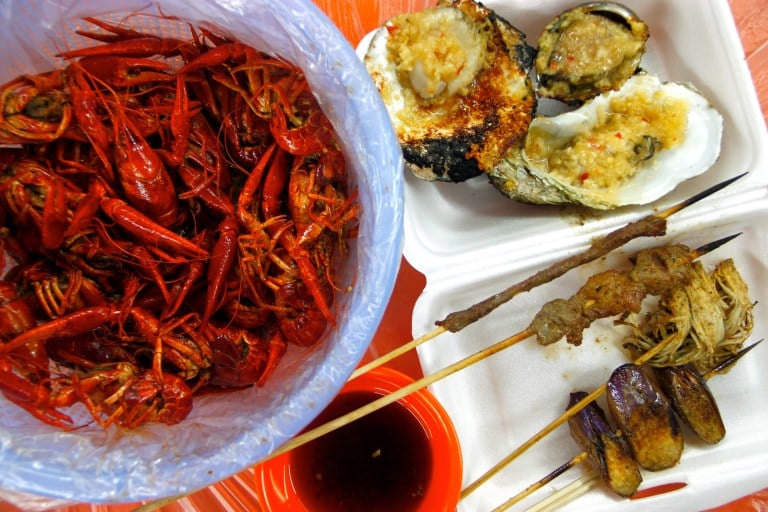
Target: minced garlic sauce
x=437, y=51
x=593, y=46
x=612, y=151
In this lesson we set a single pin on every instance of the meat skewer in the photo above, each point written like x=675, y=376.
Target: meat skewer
x=449, y=370
x=651, y=225
x=587, y=454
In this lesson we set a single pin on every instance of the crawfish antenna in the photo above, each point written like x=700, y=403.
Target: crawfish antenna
x=698, y=197
x=711, y=246
x=726, y=364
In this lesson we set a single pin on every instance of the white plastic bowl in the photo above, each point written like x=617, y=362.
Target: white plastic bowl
x=225, y=433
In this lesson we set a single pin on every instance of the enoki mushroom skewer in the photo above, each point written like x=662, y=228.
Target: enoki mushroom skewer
x=651, y=225
x=583, y=484
x=385, y=400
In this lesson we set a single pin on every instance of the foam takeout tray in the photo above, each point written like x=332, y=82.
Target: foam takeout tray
x=470, y=242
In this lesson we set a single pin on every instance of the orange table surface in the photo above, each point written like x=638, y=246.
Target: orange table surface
x=355, y=18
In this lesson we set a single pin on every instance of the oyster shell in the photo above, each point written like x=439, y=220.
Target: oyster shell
x=588, y=50
x=455, y=80
x=625, y=147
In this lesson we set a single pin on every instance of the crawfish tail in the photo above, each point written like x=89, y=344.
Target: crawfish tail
x=224, y=252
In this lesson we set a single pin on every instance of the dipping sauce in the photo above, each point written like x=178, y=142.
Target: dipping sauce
x=381, y=462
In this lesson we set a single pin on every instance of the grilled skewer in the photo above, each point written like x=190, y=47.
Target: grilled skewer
x=692, y=400
x=607, y=451
x=555, y=322
x=645, y=417
x=651, y=225
x=449, y=370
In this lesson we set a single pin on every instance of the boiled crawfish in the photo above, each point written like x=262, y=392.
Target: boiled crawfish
x=172, y=217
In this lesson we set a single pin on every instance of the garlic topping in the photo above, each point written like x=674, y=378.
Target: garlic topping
x=437, y=52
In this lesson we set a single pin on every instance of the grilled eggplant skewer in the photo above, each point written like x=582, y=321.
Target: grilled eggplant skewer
x=607, y=452
x=645, y=417
x=692, y=401
x=591, y=431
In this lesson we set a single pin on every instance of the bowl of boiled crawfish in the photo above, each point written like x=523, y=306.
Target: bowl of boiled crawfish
x=200, y=231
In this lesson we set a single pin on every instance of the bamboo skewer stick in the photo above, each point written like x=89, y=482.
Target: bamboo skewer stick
x=541, y=434
x=704, y=249
x=650, y=225
x=566, y=494
x=400, y=393
x=402, y=349
x=575, y=461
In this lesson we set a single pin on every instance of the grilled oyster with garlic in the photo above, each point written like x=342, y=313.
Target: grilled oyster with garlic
x=454, y=79
x=625, y=147
x=588, y=50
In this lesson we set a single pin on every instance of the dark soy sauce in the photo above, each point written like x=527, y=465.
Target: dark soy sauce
x=381, y=462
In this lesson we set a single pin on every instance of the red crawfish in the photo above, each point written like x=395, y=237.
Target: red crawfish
x=146, y=183
x=244, y=357
x=126, y=396
x=34, y=109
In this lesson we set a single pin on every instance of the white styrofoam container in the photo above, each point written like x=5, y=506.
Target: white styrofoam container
x=471, y=242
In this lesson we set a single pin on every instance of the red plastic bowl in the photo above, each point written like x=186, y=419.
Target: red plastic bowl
x=276, y=479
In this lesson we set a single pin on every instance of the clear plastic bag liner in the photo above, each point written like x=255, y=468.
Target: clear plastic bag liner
x=225, y=432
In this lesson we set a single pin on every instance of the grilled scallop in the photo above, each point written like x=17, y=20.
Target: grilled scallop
x=455, y=81
x=588, y=50
x=625, y=147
